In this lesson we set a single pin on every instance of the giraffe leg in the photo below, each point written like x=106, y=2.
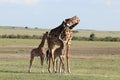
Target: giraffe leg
x=31, y=61
x=60, y=67
x=61, y=62
x=51, y=56
x=49, y=62
x=67, y=58
x=42, y=62
x=53, y=61
x=56, y=65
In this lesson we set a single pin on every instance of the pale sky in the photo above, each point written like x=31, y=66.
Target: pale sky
x=94, y=14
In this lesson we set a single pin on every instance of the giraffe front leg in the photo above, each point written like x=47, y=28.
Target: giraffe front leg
x=49, y=64
x=42, y=62
x=56, y=65
x=53, y=60
x=31, y=61
x=67, y=58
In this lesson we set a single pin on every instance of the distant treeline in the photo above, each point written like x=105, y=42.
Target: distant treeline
x=91, y=38
x=10, y=36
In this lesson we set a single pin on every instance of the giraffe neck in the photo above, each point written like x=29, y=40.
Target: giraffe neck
x=42, y=43
x=59, y=28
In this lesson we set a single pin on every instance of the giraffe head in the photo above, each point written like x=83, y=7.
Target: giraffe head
x=71, y=22
x=45, y=35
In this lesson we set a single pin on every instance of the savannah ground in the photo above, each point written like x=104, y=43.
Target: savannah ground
x=89, y=60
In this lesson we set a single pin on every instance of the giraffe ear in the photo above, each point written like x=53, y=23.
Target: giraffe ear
x=46, y=32
x=64, y=21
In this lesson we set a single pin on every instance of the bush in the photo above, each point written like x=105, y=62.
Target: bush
x=4, y=36
x=113, y=39
x=92, y=37
x=21, y=36
x=11, y=36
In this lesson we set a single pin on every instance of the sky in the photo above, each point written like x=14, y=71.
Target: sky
x=94, y=14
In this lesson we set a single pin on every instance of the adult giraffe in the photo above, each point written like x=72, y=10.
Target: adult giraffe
x=66, y=35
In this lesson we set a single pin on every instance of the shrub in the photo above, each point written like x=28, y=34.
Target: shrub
x=92, y=37
x=4, y=36
x=11, y=36
x=113, y=39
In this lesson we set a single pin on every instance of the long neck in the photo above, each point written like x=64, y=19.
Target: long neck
x=42, y=42
x=62, y=26
x=59, y=28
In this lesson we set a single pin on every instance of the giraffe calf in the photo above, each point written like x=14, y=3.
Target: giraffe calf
x=38, y=52
x=58, y=60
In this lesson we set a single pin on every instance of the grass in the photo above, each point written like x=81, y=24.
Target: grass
x=31, y=31
x=19, y=42
x=95, y=43
x=16, y=69
x=93, y=65
x=21, y=31
x=35, y=42
x=86, y=33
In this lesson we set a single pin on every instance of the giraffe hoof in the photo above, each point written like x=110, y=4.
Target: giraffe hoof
x=69, y=71
x=42, y=71
x=56, y=72
x=49, y=71
x=29, y=71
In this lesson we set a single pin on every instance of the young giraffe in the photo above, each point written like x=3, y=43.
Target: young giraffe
x=66, y=34
x=39, y=51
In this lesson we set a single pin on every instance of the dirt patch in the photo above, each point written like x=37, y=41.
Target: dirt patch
x=16, y=47
x=77, y=52
x=14, y=56
x=95, y=50
x=95, y=58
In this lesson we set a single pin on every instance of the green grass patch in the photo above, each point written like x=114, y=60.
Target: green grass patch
x=31, y=31
x=19, y=42
x=36, y=42
x=86, y=33
x=21, y=31
x=16, y=69
x=95, y=43
x=82, y=69
x=12, y=51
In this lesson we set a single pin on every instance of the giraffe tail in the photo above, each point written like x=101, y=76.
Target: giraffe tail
x=47, y=56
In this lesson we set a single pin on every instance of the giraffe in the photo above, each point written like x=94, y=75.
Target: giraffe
x=39, y=51
x=66, y=34
x=58, y=53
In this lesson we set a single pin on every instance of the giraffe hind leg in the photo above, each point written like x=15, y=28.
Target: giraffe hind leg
x=61, y=62
x=67, y=58
x=31, y=61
